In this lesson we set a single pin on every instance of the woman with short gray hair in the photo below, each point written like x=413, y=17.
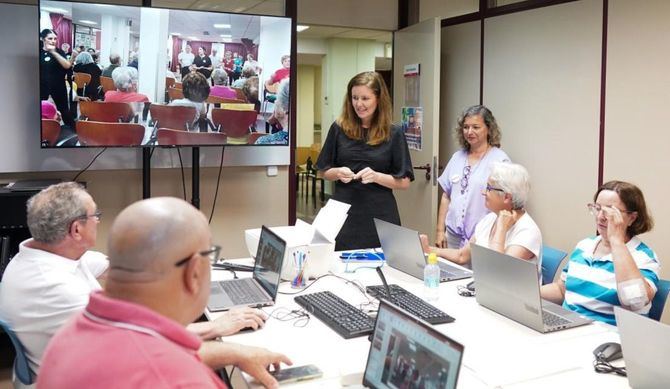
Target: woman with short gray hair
x=220, y=88
x=84, y=64
x=125, y=80
x=507, y=228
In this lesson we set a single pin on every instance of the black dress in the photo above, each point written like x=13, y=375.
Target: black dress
x=367, y=201
x=203, y=62
x=52, y=83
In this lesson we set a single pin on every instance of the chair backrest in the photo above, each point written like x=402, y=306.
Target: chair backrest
x=658, y=303
x=107, y=84
x=177, y=85
x=169, y=82
x=106, y=111
x=173, y=117
x=175, y=93
x=254, y=136
x=109, y=134
x=221, y=100
x=82, y=79
x=551, y=259
x=233, y=123
x=21, y=367
x=240, y=94
x=50, y=132
x=167, y=137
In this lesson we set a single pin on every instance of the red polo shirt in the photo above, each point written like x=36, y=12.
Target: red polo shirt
x=115, y=343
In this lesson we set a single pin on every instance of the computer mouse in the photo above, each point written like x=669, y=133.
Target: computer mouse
x=470, y=286
x=608, y=352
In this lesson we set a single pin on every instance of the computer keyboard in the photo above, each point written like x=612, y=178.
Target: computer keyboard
x=339, y=315
x=551, y=319
x=242, y=291
x=411, y=303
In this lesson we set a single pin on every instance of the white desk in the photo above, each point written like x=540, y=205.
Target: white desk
x=499, y=353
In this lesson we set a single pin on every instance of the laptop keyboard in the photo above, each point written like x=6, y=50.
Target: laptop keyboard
x=411, y=303
x=551, y=319
x=339, y=315
x=243, y=291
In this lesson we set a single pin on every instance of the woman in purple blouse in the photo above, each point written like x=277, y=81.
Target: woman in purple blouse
x=465, y=177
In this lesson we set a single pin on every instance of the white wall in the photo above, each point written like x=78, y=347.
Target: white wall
x=372, y=14
x=446, y=8
x=305, y=98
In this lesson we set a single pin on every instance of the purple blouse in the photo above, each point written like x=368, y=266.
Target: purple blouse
x=466, y=207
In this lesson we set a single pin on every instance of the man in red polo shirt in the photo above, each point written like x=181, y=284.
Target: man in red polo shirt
x=272, y=83
x=133, y=333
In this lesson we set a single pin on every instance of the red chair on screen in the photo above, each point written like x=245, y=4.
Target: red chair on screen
x=173, y=117
x=107, y=84
x=50, y=132
x=233, y=123
x=105, y=111
x=109, y=134
x=167, y=137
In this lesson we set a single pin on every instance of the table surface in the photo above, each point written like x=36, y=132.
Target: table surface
x=499, y=352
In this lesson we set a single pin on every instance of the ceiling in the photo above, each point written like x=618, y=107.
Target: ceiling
x=325, y=32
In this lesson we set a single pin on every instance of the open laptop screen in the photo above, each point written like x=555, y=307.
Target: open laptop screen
x=406, y=351
x=269, y=259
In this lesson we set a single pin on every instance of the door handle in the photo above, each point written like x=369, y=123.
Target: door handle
x=425, y=167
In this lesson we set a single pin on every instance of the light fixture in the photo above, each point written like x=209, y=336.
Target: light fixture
x=300, y=28
x=221, y=25
x=192, y=38
x=54, y=10
x=226, y=36
x=88, y=21
x=175, y=33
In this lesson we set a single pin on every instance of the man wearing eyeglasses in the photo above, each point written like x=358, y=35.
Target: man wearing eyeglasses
x=54, y=272
x=160, y=254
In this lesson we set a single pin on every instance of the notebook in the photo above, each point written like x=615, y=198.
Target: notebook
x=510, y=286
x=646, y=349
x=403, y=251
x=261, y=289
x=407, y=352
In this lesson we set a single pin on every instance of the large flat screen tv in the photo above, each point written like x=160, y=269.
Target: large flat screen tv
x=125, y=76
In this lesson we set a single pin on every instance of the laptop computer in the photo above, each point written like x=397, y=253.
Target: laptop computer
x=261, y=289
x=510, y=286
x=408, y=352
x=646, y=349
x=403, y=251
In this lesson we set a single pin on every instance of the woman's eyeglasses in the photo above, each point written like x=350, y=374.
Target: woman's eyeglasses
x=595, y=208
x=493, y=188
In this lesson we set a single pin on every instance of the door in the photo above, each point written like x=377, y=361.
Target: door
x=419, y=44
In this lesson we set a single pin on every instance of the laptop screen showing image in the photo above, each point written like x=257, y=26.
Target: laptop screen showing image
x=407, y=352
x=269, y=259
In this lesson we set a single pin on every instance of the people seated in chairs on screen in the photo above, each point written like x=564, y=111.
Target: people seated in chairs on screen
x=54, y=272
x=196, y=90
x=247, y=72
x=186, y=59
x=220, y=88
x=114, y=62
x=281, y=114
x=613, y=268
x=53, y=69
x=125, y=80
x=84, y=64
x=367, y=157
x=133, y=334
x=202, y=63
x=253, y=64
x=507, y=228
x=49, y=111
x=250, y=90
x=272, y=83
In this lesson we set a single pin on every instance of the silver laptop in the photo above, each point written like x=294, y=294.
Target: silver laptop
x=407, y=352
x=259, y=290
x=646, y=349
x=510, y=286
x=403, y=251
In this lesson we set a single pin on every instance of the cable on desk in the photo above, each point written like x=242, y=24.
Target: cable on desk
x=299, y=317
x=347, y=281
x=604, y=367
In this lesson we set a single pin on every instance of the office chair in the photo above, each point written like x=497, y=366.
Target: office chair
x=172, y=117
x=167, y=137
x=21, y=367
x=107, y=84
x=50, y=132
x=658, y=303
x=101, y=111
x=109, y=134
x=551, y=259
x=233, y=123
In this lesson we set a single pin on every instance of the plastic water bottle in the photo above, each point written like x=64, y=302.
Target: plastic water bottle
x=431, y=278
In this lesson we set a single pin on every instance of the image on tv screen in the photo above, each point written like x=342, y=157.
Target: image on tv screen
x=125, y=76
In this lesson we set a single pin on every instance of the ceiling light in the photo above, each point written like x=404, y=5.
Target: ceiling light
x=226, y=36
x=300, y=28
x=175, y=33
x=192, y=38
x=87, y=21
x=221, y=25
x=54, y=10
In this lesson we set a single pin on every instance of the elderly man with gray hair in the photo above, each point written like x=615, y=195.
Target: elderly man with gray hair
x=54, y=272
x=125, y=81
x=160, y=253
x=508, y=228
x=114, y=62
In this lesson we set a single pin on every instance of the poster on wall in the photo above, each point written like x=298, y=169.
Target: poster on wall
x=412, y=123
x=412, y=74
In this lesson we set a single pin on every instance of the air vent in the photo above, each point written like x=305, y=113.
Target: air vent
x=205, y=33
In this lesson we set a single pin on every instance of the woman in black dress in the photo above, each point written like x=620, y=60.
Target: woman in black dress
x=53, y=68
x=367, y=157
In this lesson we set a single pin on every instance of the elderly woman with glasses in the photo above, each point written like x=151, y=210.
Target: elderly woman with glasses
x=464, y=178
x=507, y=228
x=613, y=268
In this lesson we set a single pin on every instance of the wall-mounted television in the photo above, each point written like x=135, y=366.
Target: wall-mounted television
x=127, y=76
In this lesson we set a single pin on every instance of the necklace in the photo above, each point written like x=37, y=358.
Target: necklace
x=467, y=169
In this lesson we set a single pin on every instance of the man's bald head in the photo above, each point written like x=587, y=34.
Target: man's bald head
x=150, y=236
